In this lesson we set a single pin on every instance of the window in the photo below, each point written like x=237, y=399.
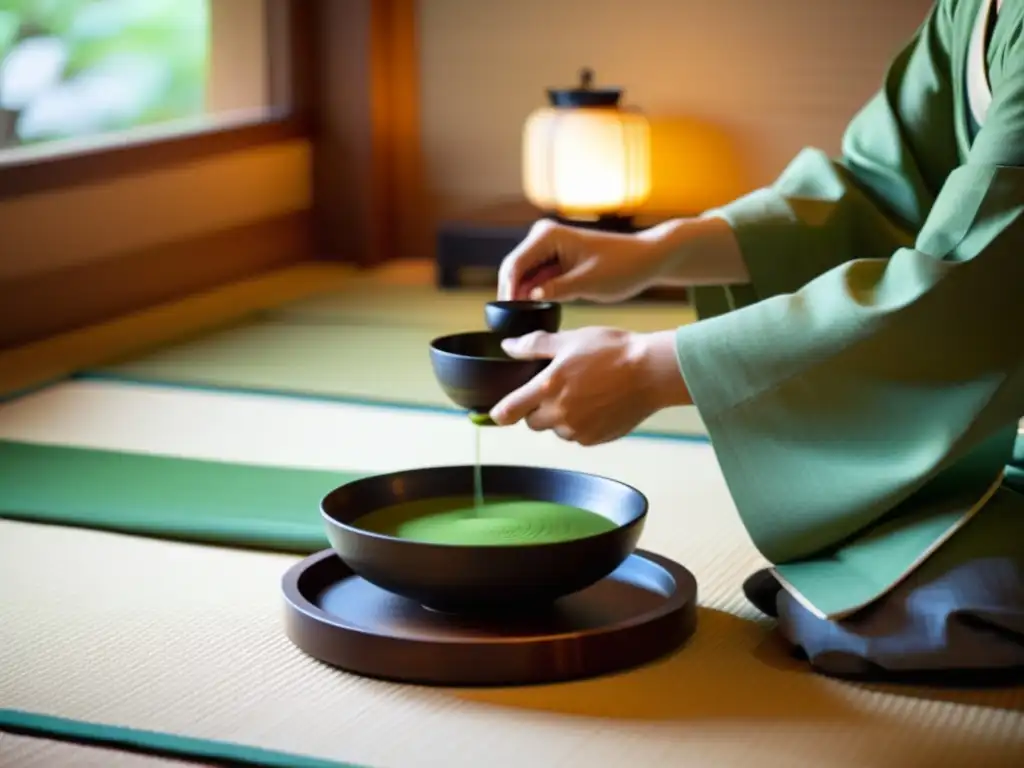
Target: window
x=85, y=72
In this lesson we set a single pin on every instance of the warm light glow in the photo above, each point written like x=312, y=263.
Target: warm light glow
x=586, y=162
x=697, y=167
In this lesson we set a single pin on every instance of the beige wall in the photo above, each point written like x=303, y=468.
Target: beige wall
x=239, y=77
x=771, y=76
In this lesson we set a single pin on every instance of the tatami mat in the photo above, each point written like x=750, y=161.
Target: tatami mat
x=359, y=302
x=365, y=341
x=361, y=363
x=680, y=477
x=188, y=639
x=40, y=363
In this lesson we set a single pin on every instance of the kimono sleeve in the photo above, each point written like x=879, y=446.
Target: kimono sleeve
x=822, y=212
x=831, y=401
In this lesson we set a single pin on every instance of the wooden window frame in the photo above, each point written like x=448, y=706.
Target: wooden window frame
x=368, y=187
x=288, y=25
x=348, y=72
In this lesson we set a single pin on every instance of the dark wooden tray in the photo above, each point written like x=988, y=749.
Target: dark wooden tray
x=644, y=610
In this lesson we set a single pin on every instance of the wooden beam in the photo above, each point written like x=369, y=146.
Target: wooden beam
x=291, y=75
x=367, y=172
x=42, y=305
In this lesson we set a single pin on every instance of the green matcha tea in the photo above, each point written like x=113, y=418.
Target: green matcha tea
x=476, y=521
x=462, y=521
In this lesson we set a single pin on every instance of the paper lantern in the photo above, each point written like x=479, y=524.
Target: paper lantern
x=586, y=158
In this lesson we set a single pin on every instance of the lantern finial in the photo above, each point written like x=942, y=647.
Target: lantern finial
x=584, y=94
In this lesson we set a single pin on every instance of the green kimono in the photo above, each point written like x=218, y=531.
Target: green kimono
x=863, y=392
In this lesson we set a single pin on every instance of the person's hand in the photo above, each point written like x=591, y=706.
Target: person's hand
x=556, y=262
x=562, y=263
x=601, y=383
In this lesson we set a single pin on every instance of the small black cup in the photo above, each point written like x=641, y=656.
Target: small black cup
x=510, y=319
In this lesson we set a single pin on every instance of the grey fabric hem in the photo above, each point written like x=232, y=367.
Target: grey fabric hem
x=958, y=619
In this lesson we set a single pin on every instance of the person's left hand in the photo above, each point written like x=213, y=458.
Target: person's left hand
x=601, y=383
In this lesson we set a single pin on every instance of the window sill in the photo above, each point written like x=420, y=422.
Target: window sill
x=60, y=164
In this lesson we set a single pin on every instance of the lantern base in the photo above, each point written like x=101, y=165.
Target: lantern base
x=609, y=223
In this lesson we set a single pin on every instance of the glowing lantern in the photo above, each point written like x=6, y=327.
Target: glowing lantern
x=586, y=159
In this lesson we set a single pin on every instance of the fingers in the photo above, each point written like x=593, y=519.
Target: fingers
x=539, y=246
x=544, y=418
x=517, y=405
x=560, y=287
x=550, y=417
x=535, y=282
x=533, y=346
x=542, y=413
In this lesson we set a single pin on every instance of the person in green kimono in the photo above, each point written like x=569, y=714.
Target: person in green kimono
x=856, y=361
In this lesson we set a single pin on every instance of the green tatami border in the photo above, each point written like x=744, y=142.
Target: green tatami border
x=230, y=504
x=685, y=437
x=298, y=544
x=154, y=743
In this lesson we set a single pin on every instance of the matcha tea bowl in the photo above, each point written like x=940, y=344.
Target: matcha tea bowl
x=475, y=373
x=536, y=535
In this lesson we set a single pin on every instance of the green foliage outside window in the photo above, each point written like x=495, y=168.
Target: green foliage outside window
x=73, y=68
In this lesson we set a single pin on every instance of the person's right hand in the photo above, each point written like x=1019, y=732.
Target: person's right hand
x=556, y=262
